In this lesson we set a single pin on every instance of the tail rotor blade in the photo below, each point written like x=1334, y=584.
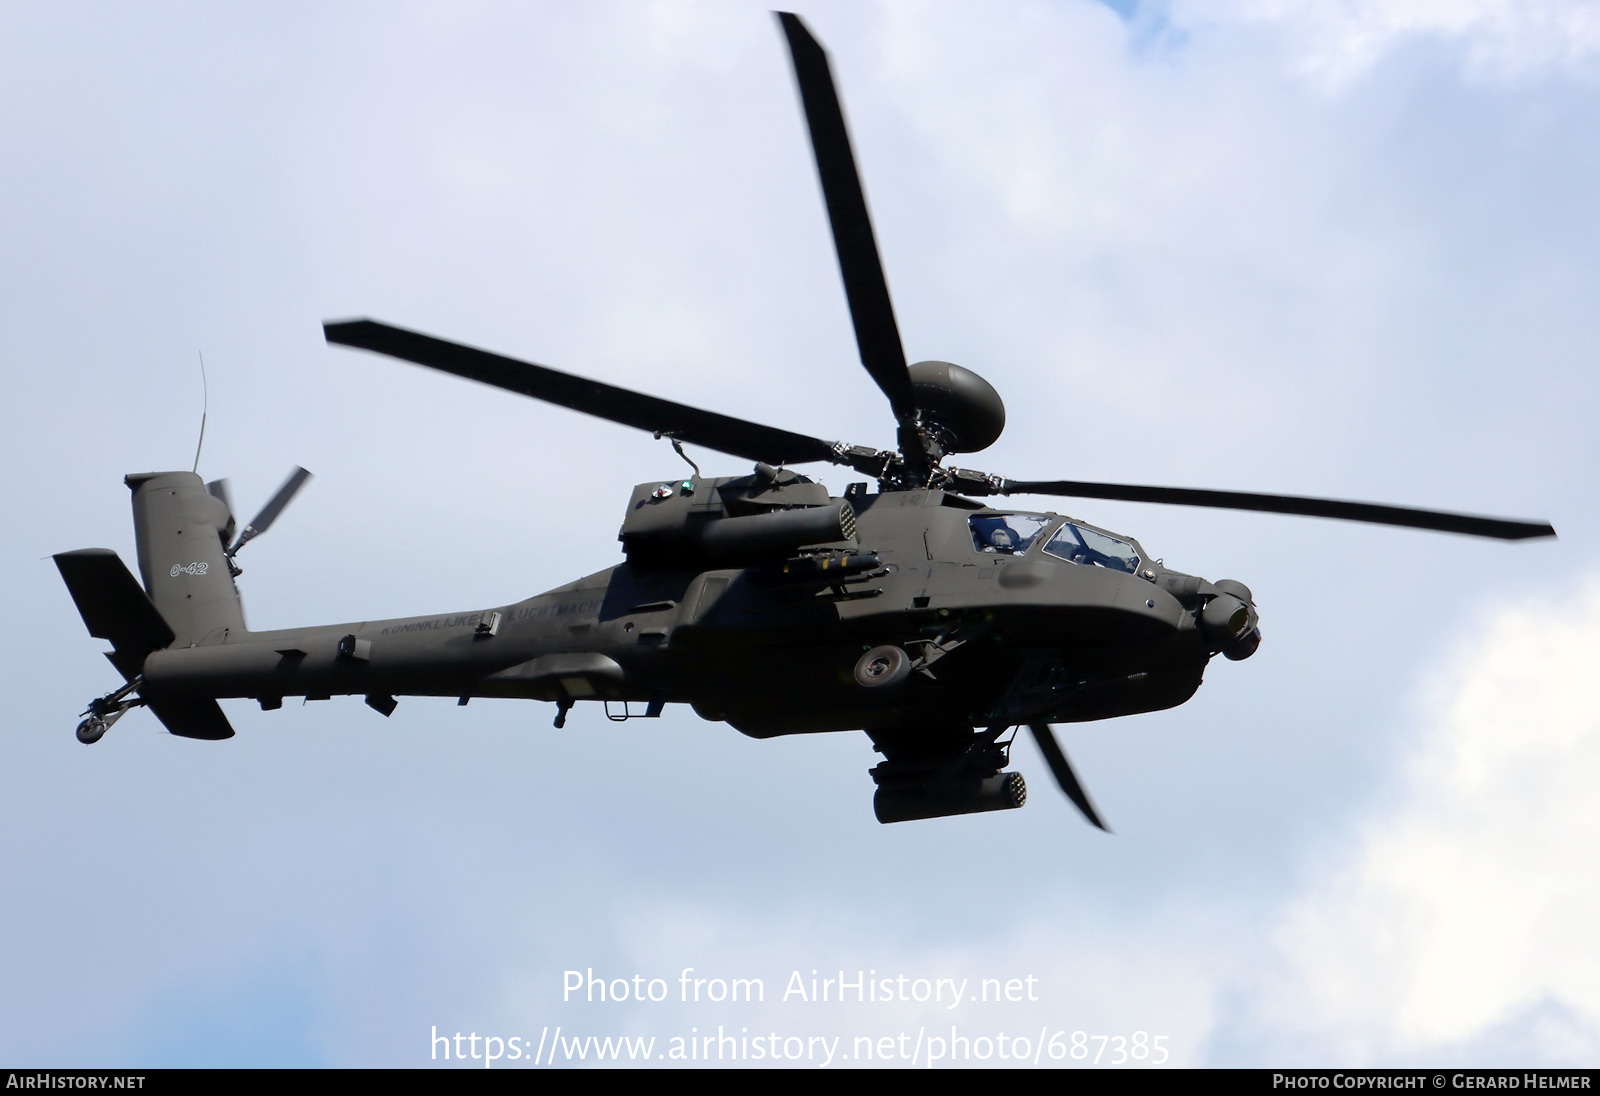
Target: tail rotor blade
x=218, y=489
x=269, y=513
x=1057, y=759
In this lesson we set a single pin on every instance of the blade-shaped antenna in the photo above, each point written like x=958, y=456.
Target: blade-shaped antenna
x=1057, y=759
x=205, y=409
x=691, y=424
x=877, y=335
x=1375, y=513
x=269, y=513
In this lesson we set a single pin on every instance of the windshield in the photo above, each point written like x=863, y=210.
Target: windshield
x=1007, y=533
x=1080, y=545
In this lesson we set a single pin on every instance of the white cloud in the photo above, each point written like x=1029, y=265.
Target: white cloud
x=1336, y=41
x=1474, y=901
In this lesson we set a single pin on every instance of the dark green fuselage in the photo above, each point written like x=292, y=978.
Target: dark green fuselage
x=1015, y=638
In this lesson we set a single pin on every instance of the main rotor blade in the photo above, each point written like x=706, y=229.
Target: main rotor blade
x=1057, y=759
x=269, y=513
x=877, y=336
x=691, y=424
x=1471, y=525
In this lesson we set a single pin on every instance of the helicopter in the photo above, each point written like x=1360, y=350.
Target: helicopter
x=907, y=607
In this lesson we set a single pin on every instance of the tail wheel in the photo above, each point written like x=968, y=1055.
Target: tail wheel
x=882, y=667
x=91, y=730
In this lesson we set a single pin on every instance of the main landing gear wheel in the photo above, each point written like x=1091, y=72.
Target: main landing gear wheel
x=104, y=712
x=882, y=667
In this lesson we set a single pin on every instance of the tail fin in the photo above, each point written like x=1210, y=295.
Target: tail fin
x=191, y=598
x=180, y=529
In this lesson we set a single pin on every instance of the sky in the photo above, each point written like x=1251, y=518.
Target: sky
x=1339, y=248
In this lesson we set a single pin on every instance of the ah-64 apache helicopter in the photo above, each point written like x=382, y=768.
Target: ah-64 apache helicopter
x=933, y=622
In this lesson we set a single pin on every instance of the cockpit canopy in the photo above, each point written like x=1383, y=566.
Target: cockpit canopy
x=1081, y=544
x=1007, y=534
x=1015, y=533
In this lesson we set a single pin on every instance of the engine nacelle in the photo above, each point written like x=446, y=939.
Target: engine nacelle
x=772, y=536
x=729, y=523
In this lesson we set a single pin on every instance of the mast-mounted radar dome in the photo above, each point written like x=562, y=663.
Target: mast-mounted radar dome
x=962, y=407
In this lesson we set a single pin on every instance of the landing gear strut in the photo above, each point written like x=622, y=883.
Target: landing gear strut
x=106, y=710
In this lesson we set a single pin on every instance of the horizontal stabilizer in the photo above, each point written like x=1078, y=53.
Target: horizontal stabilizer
x=192, y=717
x=113, y=604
